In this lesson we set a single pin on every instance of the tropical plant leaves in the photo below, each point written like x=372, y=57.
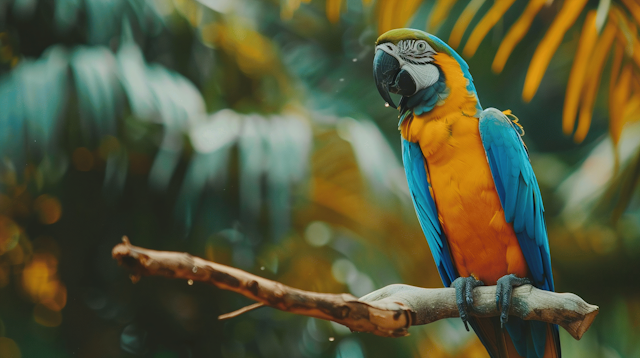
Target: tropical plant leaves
x=376, y=160
x=98, y=90
x=488, y=21
x=31, y=98
x=578, y=72
x=620, y=18
x=585, y=189
x=516, y=33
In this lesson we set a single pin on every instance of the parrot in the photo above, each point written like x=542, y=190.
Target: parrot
x=472, y=186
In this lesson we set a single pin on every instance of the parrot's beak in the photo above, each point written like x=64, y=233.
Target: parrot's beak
x=390, y=78
x=385, y=70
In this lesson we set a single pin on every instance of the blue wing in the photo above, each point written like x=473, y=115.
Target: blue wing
x=521, y=201
x=519, y=192
x=419, y=186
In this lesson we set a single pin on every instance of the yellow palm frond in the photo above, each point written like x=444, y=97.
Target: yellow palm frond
x=617, y=20
x=627, y=33
x=632, y=110
x=547, y=47
x=333, y=10
x=597, y=61
x=615, y=71
x=463, y=22
x=516, y=33
x=620, y=97
x=487, y=23
x=615, y=66
x=386, y=13
x=439, y=13
x=395, y=13
x=634, y=9
x=407, y=10
x=288, y=8
x=576, y=78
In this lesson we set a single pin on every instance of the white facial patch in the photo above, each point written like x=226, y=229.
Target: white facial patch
x=424, y=75
x=414, y=56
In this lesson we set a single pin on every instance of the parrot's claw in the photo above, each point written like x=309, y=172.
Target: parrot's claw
x=464, y=295
x=504, y=290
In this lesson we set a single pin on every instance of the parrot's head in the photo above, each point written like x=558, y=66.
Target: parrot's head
x=409, y=62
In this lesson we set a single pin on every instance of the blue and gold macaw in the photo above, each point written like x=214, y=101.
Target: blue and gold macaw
x=472, y=185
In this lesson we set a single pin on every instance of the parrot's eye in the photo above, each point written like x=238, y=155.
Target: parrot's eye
x=421, y=45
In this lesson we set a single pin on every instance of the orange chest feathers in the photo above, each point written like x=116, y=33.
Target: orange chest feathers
x=482, y=243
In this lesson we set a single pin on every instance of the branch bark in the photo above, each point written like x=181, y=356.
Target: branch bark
x=388, y=312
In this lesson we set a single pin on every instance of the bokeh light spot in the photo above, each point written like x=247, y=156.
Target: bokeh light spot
x=134, y=340
x=317, y=233
x=36, y=274
x=344, y=271
x=48, y=208
x=41, y=283
x=9, y=234
x=9, y=348
x=82, y=159
x=361, y=285
x=350, y=348
x=54, y=295
x=208, y=252
x=46, y=317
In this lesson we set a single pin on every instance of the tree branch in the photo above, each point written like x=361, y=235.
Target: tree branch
x=387, y=312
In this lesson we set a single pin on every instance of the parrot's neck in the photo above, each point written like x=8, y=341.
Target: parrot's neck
x=458, y=102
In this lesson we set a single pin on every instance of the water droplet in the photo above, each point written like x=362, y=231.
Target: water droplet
x=386, y=104
x=331, y=339
x=194, y=269
x=262, y=268
x=342, y=80
x=355, y=60
x=190, y=282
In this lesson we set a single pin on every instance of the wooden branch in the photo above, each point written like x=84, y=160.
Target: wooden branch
x=387, y=312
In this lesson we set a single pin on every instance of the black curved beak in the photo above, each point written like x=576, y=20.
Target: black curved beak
x=390, y=78
x=385, y=70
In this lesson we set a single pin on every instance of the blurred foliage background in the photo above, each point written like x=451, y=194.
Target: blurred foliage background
x=251, y=133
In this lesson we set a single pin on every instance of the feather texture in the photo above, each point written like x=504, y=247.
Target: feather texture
x=521, y=200
x=420, y=188
x=475, y=195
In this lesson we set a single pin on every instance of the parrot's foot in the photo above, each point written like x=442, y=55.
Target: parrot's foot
x=464, y=295
x=504, y=290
